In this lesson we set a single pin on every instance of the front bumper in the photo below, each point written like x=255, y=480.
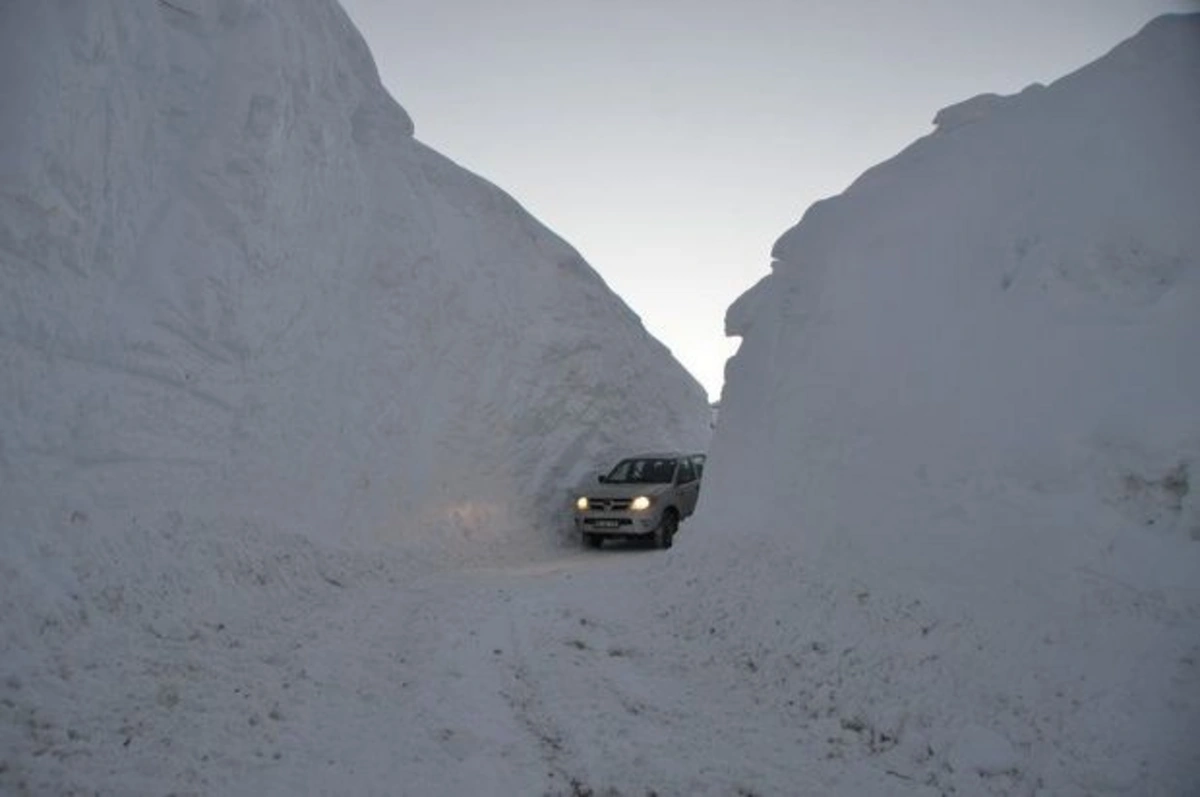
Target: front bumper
x=616, y=524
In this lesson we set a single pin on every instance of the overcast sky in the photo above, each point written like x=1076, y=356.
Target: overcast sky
x=673, y=141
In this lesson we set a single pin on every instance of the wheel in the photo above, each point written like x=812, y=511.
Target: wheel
x=664, y=535
x=592, y=540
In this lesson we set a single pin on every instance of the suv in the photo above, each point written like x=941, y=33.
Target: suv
x=643, y=497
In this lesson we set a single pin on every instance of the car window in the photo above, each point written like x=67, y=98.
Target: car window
x=662, y=471
x=698, y=462
x=686, y=472
x=642, y=471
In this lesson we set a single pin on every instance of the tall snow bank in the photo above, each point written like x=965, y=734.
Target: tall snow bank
x=959, y=448
x=244, y=313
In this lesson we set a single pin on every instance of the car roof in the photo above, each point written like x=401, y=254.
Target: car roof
x=663, y=455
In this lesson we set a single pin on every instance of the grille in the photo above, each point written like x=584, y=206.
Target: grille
x=609, y=504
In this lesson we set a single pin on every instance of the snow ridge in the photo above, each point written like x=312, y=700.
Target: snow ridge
x=966, y=407
x=223, y=250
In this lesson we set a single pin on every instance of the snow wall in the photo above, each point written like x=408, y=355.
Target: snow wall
x=956, y=471
x=241, y=304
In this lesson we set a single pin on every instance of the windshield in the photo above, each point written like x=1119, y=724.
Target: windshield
x=642, y=471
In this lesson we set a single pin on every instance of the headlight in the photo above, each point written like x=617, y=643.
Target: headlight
x=581, y=503
x=640, y=503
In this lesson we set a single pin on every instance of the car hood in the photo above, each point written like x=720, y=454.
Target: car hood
x=624, y=490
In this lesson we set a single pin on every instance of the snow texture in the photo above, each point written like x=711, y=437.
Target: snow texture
x=961, y=437
x=288, y=403
x=253, y=336
x=230, y=273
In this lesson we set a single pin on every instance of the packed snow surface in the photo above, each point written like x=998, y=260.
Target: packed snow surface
x=289, y=403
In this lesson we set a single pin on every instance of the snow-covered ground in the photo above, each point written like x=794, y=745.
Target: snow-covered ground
x=287, y=403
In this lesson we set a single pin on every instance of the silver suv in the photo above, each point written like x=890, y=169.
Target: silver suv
x=642, y=497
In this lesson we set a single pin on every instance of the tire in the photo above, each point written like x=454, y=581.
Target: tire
x=664, y=535
x=592, y=540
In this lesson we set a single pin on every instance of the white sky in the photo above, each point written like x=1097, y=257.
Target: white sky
x=672, y=141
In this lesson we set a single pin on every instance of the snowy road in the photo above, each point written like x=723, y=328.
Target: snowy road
x=567, y=675
x=531, y=679
x=610, y=672
x=545, y=677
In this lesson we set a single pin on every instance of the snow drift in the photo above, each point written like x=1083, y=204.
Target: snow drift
x=249, y=325
x=234, y=284
x=959, y=445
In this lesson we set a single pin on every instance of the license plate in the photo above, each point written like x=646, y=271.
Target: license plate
x=606, y=524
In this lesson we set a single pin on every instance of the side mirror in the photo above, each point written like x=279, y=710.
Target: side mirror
x=602, y=479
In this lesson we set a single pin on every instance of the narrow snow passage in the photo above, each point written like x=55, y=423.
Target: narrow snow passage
x=515, y=679
x=626, y=671
x=561, y=675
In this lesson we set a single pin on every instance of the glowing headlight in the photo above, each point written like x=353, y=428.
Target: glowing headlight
x=640, y=503
x=581, y=503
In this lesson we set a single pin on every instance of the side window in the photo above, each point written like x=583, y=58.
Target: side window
x=698, y=460
x=686, y=472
